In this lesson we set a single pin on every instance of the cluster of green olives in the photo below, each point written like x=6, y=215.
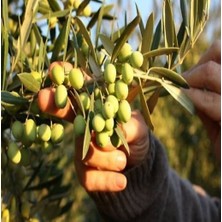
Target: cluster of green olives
x=24, y=134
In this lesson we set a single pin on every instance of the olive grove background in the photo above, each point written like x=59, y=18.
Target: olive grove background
x=188, y=147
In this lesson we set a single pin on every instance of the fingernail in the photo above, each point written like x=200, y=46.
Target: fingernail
x=120, y=181
x=120, y=162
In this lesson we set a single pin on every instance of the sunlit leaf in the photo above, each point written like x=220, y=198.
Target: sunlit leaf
x=120, y=134
x=107, y=44
x=29, y=82
x=124, y=37
x=95, y=68
x=160, y=51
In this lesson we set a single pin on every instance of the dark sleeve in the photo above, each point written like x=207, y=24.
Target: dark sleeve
x=155, y=193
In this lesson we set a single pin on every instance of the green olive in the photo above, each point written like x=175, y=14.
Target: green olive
x=79, y=125
x=57, y=74
x=44, y=132
x=125, y=52
x=87, y=11
x=109, y=124
x=46, y=146
x=14, y=153
x=110, y=73
x=114, y=101
x=98, y=123
x=57, y=133
x=102, y=139
x=124, y=112
x=85, y=100
x=30, y=131
x=17, y=130
x=111, y=88
x=76, y=78
x=127, y=73
x=61, y=96
x=108, y=110
x=136, y=59
x=121, y=90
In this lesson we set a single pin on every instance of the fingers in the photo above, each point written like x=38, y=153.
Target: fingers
x=205, y=76
x=47, y=104
x=206, y=102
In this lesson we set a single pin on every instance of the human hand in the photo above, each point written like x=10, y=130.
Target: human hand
x=205, y=92
x=101, y=170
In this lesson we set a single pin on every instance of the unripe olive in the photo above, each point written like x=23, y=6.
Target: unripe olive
x=25, y=156
x=57, y=74
x=76, y=78
x=109, y=124
x=44, y=132
x=79, y=125
x=98, y=123
x=46, y=146
x=30, y=131
x=136, y=59
x=61, y=96
x=53, y=21
x=57, y=133
x=115, y=140
x=85, y=100
x=110, y=73
x=77, y=4
x=121, y=89
x=25, y=209
x=17, y=130
x=6, y=215
x=111, y=88
x=114, y=101
x=102, y=139
x=124, y=112
x=87, y=11
x=125, y=52
x=97, y=93
x=14, y=153
x=127, y=73
x=100, y=56
x=98, y=106
x=108, y=110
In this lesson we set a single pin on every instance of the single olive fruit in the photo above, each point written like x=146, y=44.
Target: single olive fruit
x=108, y=110
x=111, y=88
x=17, y=130
x=30, y=131
x=61, y=96
x=79, y=125
x=114, y=101
x=124, y=111
x=102, y=139
x=57, y=133
x=76, y=78
x=44, y=132
x=58, y=74
x=127, y=73
x=14, y=153
x=46, y=146
x=25, y=209
x=136, y=59
x=110, y=73
x=98, y=123
x=97, y=93
x=77, y=4
x=121, y=89
x=109, y=124
x=85, y=100
x=87, y=11
x=125, y=52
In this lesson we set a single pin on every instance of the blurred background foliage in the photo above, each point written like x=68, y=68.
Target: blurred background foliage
x=189, y=150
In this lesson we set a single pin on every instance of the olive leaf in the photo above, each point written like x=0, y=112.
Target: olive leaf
x=107, y=43
x=29, y=82
x=160, y=52
x=180, y=96
x=157, y=36
x=124, y=36
x=54, y=5
x=120, y=134
x=7, y=97
x=82, y=6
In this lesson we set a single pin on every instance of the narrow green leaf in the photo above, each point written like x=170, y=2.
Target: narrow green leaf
x=85, y=34
x=67, y=35
x=87, y=135
x=157, y=36
x=125, y=35
x=120, y=134
x=170, y=75
x=183, y=8
x=7, y=97
x=145, y=109
x=94, y=67
x=107, y=44
x=54, y=5
x=180, y=96
x=29, y=82
x=82, y=6
x=141, y=25
x=160, y=51
x=153, y=99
